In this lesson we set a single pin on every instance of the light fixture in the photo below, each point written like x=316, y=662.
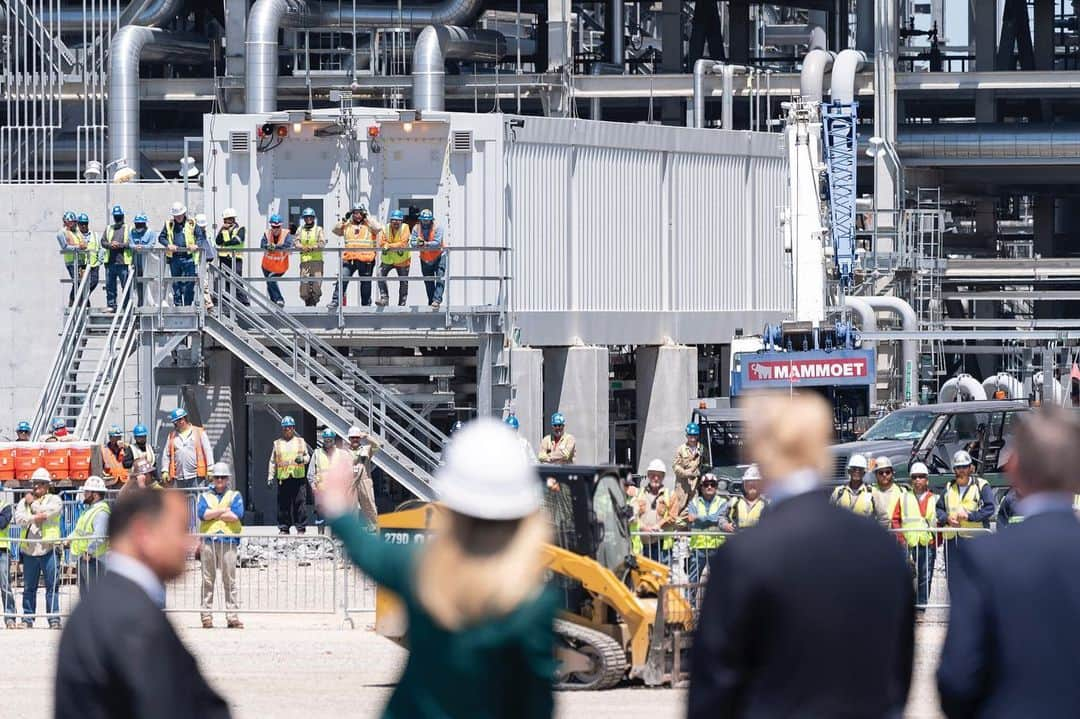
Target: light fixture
x=406, y=126
x=877, y=141
x=282, y=131
x=188, y=168
x=297, y=127
x=373, y=131
x=123, y=172
x=92, y=171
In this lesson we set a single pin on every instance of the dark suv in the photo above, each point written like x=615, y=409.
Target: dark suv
x=721, y=443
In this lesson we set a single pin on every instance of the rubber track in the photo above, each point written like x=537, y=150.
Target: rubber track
x=611, y=654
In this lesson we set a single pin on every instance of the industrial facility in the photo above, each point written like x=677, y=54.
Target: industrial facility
x=649, y=209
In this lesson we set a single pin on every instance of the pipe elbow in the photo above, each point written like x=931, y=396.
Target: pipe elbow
x=845, y=66
x=862, y=308
x=812, y=77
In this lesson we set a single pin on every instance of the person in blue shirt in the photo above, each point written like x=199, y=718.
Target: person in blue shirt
x=428, y=235
x=182, y=240
x=220, y=510
x=141, y=239
x=275, y=263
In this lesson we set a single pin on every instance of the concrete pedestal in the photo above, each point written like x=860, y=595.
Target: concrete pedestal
x=576, y=384
x=527, y=392
x=666, y=386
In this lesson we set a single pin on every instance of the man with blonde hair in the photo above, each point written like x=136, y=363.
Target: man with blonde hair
x=776, y=619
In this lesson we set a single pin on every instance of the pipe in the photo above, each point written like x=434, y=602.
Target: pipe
x=846, y=64
x=123, y=105
x=867, y=323
x=813, y=36
x=437, y=44
x=812, y=77
x=704, y=67
x=616, y=32
x=74, y=18
x=1006, y=383
x=961, y=388
x=1038, y=388
x=267, y=17
x=910, y=323
x=1039, y=141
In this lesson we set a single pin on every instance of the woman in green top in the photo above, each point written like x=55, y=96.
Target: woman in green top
x=481, y=632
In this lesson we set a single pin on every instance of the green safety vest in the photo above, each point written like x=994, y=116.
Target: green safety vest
x=84, y=528
x=743, y=514
x=189, y=239
x=230, y=238
x=285, y=454
x=72, y=239
x=220, y=526
x=108, y=237
x=915, y=524
x=50, y=531
x=707, y=538
x=307, y=239
x=860, y=502
x=393, y=257
x=5, y=543
x=93, y=250
x=970, y=500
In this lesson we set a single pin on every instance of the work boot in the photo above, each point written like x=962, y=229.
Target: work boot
x=207, y=623
x=382, y=301
x=283, y=531
x=10, y=624
x=435, y=305
x=54, y=625
x=234, y=624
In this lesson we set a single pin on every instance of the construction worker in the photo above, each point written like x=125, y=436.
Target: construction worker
x=89, y=539
x=321, y=458
x=112, y=456
x=969, y=504
x=855, y=495
x=38, y=514
x=919, y=516
x=428, y=235
x=651, y=512
x=687, y=466
x=513, y=423
x=559, y=447
x=181, y=238
x=208, y=251
x=71, y=245
x=363, y=447
x=706, y=520
x=22, y=431
x=90, y=257
x=230, y=238
x=746, y=510
x=139, y=449
x=219, y=511
x=887, y=495
x=116, y=242
x=361, y=233
x=7, y=597
x=141, y=240
x=394, y=243
x=276, y=243
x=1008, y=512
x=311, y=241
x=143, y=476
x=287, y=468
x=187, y=455
x=58, y=431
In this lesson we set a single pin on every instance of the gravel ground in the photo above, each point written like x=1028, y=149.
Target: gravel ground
x=282, y=667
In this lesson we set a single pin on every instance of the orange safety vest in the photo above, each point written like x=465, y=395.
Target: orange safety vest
x=359, y=243
x=113, y=466
x=200, y=456
x=276, y=261
x=429, y=255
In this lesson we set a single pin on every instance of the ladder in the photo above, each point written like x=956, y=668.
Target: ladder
x=925, y=222
x=88, y=364
x=323, y=381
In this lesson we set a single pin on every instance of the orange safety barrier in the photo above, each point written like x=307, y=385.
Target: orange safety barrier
x=28, y=457
x=7, y=460
x=79, y=456
x=56, y=459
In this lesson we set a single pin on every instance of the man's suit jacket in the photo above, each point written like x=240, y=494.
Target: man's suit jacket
x=1013, y=643
x=120, y=657
x=808, y=614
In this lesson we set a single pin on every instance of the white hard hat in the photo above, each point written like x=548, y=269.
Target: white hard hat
x=486, y=475
x=94, y=483
x=657, y=465
x=882, y=463
x=856, y=461
x=41, y=475
x=200, y=220
x=177, y=209
x=355, y=431
x=918, y=468
x=220, y=469
x=961, y=459
x=229, y=212
x=751, y=473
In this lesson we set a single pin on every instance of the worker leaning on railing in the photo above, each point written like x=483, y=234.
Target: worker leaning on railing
x=89, y=541
x=707, y=521
x=38, y=514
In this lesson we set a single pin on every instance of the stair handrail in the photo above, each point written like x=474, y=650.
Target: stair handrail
x=110, y=363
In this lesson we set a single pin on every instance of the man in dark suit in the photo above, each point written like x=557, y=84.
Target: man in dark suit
x=119, y=655
x=1013, y=642
x=811, y=612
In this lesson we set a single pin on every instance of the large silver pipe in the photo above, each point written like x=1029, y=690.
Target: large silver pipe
x=813, y=36
x=438, y=43
x=268, y=16
x=704, y=67
x=867, y=323
x=910, y=322
x=123, y=106
x=73, y=18
x=616, y=32
x=846, y=64
x=812, y=77
x=985, y=142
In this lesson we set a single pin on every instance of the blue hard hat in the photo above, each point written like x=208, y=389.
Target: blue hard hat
x=287, y=421
x=58, y=422
x=308, y=212
x=117, y=211
x=115, y=431
x=141, y=219
x=557, y=420
x=275, y=219
x=84, y=219
x=139, y=431
x=512, y=422
x=69, y=216
x=328, y=433
x=23, y=426
x=426, y=216
x=693, y=429
x=397, y=215
x=178, y=413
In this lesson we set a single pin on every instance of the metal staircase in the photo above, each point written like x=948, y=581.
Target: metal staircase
x=86, y=370
x=317, y=377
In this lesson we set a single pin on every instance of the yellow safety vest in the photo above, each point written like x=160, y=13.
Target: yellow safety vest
x=307, y=239
x=860, y=501
x=147, y=454
x=359, y=243
x=970, y=501
x=707, y=538
x=5, y=543
x=917, y=525
x=322, y=463
x=744, y=514
x=108, y=238
x=219, y=526
x=285, y=454
x=73, y=239
x=189, y=239
x=230, y=238
x=50, y=530
x=389, y=240
x=84, y=528
x=90, y=256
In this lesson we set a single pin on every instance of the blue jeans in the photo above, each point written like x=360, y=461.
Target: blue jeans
x=355, y=267
x=6, y=597
x=923, y=560
x=114, y=274
x=33, y=568
x=273, y=291
x=183, y=293
x=434, y=269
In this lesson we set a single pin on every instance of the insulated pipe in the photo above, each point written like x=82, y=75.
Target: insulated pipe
x=437, y=44
x=268, y=16
x=846, y=64
x=961, y=388
x=867, y=323
x=125, y=52
x=812, y=77
x=1004, y=381
x=1036, y=141
x=74, y=18
x=910, y=323
x=616, y=32
x=1038, y=388
x=813, y=36
x=704, y=67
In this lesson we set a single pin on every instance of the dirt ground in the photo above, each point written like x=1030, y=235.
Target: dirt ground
x=282, y=667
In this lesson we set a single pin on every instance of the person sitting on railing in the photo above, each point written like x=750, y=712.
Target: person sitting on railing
x=141, y=239
x=117, y=244
x=361, y=233
x=71, y=243
x=181, y=239
x=429, y=235
x=275, y=262
x=311, y=241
